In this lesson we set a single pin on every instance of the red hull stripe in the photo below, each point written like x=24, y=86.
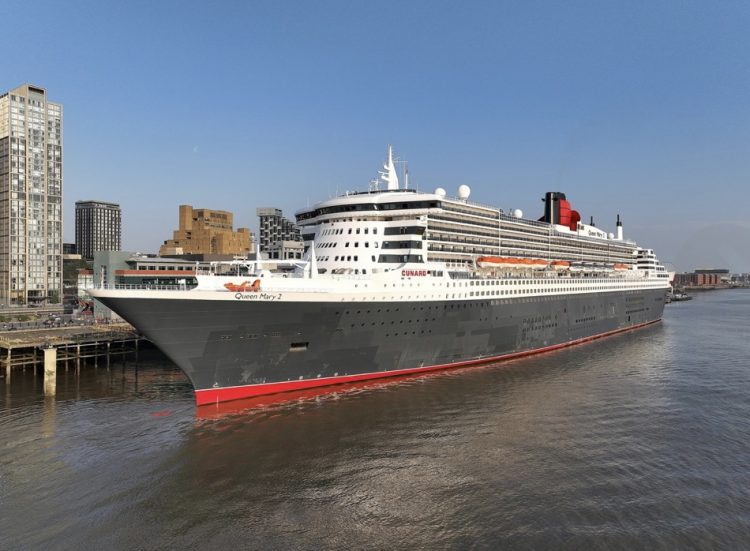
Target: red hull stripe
x=226, y=394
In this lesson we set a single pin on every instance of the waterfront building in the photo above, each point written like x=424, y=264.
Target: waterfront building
x=129, y=268
x=702, y=278
x=98, y=227
x=279, y=237
x=285, y=250
x=72, y=265
x=31, y=186
x=205, y=231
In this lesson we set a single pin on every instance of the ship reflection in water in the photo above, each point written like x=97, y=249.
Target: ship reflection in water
x=635, y=441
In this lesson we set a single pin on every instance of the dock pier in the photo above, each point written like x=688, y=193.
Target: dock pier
x=65, y=346
x=50, y=370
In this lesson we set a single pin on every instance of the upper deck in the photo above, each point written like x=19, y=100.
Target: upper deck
x=352, y=231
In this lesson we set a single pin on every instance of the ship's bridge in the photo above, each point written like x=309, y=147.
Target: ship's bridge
x=371, y=231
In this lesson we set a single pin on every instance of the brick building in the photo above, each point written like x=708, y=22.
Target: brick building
x=702, y=278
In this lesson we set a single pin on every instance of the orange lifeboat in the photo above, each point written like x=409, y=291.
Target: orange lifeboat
x=621, y=267
x=243, y=287
x=560, y=264
x=497, y=262
x=511, y=262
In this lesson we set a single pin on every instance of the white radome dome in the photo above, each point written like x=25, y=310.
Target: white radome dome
x=610, y=235
x=440, y=192
x=464, y=191
x=517, y=213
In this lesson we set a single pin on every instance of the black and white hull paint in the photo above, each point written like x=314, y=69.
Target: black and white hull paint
x=236, y=346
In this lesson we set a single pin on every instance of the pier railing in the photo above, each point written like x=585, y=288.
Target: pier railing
x=144, y=286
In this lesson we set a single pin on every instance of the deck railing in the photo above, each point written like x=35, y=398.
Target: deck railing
x=143, y=286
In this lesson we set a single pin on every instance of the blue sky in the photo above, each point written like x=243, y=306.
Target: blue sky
x=641, y=108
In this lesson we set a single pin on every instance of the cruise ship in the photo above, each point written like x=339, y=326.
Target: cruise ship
x=399, y=281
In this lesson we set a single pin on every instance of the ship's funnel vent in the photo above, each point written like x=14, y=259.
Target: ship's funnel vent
x=552, y=207
x=557, y=211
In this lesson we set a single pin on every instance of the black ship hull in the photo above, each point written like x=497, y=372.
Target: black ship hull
x=237, y=349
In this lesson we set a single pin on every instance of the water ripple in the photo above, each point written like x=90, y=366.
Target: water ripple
x=636, y=441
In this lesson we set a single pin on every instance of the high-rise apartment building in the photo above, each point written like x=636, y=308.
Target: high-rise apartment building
x=31, y=184
x=274, y=228
x=205, y=231
x=98, y=227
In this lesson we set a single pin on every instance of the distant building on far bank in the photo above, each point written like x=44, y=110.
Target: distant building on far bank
x=98, y=227
x=279, y=237
x=205, y=231
x=702, y=278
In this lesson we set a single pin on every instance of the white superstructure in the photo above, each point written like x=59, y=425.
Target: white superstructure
x=379, y=231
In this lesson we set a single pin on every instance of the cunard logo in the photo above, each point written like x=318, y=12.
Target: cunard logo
x=413, y=273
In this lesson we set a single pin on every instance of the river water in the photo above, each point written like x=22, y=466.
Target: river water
x=640, y=440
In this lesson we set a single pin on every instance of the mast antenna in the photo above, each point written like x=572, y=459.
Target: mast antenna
x=388, y=174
